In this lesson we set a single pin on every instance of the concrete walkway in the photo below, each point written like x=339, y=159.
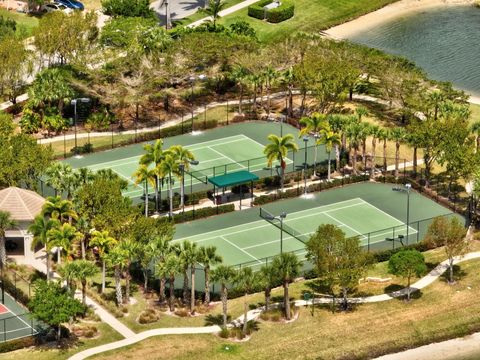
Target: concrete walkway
x=225, y=12
x=39, y=264
x=254, y=314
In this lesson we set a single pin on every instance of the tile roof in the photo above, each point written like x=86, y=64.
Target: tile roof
x=23, y=205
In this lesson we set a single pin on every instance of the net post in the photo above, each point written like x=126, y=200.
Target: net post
x=368, y=243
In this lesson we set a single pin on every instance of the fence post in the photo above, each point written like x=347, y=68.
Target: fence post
x=368, y=243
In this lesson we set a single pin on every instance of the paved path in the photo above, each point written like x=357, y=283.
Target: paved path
x=225, y=12
x=39, y=264
x=253, y=314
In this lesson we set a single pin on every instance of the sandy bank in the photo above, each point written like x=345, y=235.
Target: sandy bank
x=399, y=8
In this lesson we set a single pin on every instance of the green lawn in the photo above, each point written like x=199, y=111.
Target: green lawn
x=26, y=23
x=439, y=312
x=200, y=14
x=310, y=16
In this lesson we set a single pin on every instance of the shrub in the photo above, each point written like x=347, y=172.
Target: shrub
x=127, y=8
x=16, y=344
x=181, y=312
x=257, y=11
x=148, y=316
x=224, y=333
x=84, y=149
x=99, y=121
x=284, y=12
x=202, y=213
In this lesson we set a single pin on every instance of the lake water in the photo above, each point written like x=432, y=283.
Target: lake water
x=445, y=42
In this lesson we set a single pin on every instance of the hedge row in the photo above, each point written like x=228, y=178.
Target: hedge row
x=264, y=199
x=203, y=213
x=285, y=11
x=16, y=344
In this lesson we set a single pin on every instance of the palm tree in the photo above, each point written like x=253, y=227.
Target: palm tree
x=163, y=249
x=269, y=75
x=240, y=74
x=118, y=259
x=208, y=257
x=415, y=141
x=330, y=139
x=213, y=10
x=83, y=225
x=374, y=133
x=154, y=154
x=39, y=229
x=364, y=134
x=384, y=135
x=169, y=268
x=475, y=129
x=63, y=237
x=398, y=135
x=183, y=157
x=110, y=175
x=224, y=275
x=190, y=255
x=287, y=78
x=145, y=175
x=255, y=80
x=269, y=280
x=277, y=150
x=81, y=271
x=57, y=208
x=84, y=176
x=53, y=174
x=361, y=112
x=287, y=267
x=246, y=281
x=6, y=223
x=130, y=249
x=167, y=168
x=315, y=124
x=103, y=243
x=354, y=134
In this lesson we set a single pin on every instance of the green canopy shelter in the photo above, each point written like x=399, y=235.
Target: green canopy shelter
x=232, y=179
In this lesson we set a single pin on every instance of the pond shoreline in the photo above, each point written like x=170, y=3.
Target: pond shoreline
x=391, y=11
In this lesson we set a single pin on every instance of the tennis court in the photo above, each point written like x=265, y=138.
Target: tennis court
x=15, y=321
x=220, y=156
x=251, y=242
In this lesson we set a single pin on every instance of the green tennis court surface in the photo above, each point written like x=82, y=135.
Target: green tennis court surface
x=251, y=242
x=15, y=321
x=220, y=155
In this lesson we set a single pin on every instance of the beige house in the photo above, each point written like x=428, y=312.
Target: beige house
x=23, y=205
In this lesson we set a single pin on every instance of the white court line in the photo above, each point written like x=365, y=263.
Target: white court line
x=348, y=227
x=366, y=202
x=226, y=157
x=261, y=221
x=18, y=317
x=239, y=248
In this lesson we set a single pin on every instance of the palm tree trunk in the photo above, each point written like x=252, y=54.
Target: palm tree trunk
x=354, y=160
x=255, y=97
x=185, y=286
x=145, y=280
x=84, y=292
x=192, y=290
x=240, y=100
x=146, y=198
x=156, y=193
x=345, y=298
x=282, y=177
x=207, y=286
x=245, y=311
x=224, y=305
x=315, y=161
x=171, y=299
x=118, y=286
x=47, y=256
x=290, y=101
x=415, y=161
x=286, y=300
x=170, y=194
x=329, y=156
x=337, y=157
x=103, y=277
x=161, y=291
x=3, y=251
x=385, y=156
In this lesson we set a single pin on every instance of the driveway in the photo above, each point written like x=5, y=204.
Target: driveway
x=179, y=9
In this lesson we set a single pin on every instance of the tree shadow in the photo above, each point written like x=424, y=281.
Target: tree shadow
x=216, y=319
x=393, y=289
x=458, y=274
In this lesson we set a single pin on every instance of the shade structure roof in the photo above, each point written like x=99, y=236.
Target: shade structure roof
x=23, y=205
x=232, y=179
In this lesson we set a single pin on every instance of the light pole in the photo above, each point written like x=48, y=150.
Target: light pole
x=280, y=218
x=182, y=170
x=408, y=187
x=74, y=102
x=305, y=140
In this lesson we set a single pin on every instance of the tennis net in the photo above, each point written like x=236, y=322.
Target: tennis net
x=268, y=216
x=199, y=175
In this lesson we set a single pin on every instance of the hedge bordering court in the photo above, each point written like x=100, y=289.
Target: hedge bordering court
x=284, y=12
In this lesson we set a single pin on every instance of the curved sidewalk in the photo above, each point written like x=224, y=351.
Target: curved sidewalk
x=253, y=314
